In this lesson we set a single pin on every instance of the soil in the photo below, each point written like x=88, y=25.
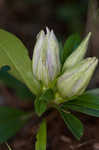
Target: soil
x=22, y=20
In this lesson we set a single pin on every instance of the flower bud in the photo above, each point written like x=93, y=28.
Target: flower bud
x=46, y=61
x=78, y=54
x=75, y=80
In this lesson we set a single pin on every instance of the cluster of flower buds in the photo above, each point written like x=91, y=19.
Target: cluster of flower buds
x=73, y=77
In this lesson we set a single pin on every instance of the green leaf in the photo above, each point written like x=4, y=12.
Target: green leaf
x=20, y=89
x=73, y=123
x=14, y=54
x=61, y=50
x=42, y=102
x=87, y=100
x=70, y=45
x=93, y=91
x=41, y=137
x=83, y=109
x=11, y=120
x=86, y=103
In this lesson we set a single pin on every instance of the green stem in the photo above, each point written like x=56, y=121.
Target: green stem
x=9, y=148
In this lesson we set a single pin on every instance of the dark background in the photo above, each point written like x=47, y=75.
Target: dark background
x=26, y=18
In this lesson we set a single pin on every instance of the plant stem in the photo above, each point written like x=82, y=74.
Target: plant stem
x=9, y=148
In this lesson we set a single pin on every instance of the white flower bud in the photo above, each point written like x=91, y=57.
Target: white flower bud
x=75, y=80
x=78, y=54
x=46, y=61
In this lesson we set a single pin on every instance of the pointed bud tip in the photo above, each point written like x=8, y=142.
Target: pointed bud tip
x=93, y=59
x=40, y=34
x=47, y=30
x=88, y=36
x=78, y=54
x=96, y=60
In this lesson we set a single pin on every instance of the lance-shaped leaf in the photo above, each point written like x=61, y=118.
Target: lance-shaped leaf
x=20, y=89
x=11, y=120
x=87, y=103
x=14, y=54
x=42, y=102
x=72, y=122
x=93, y=91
